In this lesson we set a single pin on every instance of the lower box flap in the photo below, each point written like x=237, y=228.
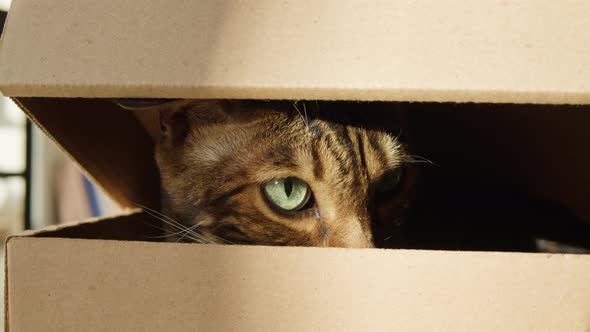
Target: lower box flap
x=59, y=284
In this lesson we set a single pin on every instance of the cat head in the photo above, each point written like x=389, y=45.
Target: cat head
x=282, y=173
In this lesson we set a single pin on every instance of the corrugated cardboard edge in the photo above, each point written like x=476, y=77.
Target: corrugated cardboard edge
x=295, y=93
x=53, y=228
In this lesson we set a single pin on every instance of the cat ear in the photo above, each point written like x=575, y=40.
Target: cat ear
x=170, y=113
x=177, y=116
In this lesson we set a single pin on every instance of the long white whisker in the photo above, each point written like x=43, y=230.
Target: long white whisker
x=163, y=220
x=181, y=228
x=157, y=227
x=167, y=236
x=417, y=162
x=300, y=114
x=419, y=159
x=305, y=119
x=174, y=233
x=161, y=214
x=189, y=232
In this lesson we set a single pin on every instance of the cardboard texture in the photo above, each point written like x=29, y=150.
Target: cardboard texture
x=110, y=274
x=106, y=285
x=533, y=51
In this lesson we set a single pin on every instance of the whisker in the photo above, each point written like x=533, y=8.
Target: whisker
x=306, y=119
x=165, y=230
x=191, y=234
x=163, y=220
x=300, y=114
x=174, y=233
x=178, y=226
x=188, y=231
x=156, y=227
x=166, y=236
x=182, y=228
x=417, y=162
x=174, y=223
x=413, y=159
x=160, y=214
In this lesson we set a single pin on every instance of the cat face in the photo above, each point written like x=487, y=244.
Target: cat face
x=295, y=174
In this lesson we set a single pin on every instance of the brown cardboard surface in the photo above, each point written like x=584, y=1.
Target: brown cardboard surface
x=108, y=143
x=57, y=284
x=533, y=51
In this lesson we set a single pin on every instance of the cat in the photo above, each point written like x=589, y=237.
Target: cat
x=282, y=173
x=337, y=174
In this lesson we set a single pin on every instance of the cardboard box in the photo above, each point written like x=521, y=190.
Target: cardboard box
x=102, y=275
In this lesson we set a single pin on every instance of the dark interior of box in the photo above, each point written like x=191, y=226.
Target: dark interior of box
x=502, y=176
x=506, y=177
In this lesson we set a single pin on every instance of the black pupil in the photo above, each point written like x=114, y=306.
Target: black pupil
x=288, y=187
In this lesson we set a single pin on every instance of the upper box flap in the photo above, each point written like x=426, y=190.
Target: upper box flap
x=484, y=51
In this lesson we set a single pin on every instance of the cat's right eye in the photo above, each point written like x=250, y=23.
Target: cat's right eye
x=288, y=194
x=391, y=181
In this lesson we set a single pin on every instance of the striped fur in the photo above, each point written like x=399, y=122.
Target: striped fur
x=214, y=155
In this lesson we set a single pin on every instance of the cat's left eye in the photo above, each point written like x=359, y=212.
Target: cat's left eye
x=288, y=194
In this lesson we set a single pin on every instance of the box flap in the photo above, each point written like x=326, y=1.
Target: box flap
x=81, y=285
x=533, y=51
x=108, y=143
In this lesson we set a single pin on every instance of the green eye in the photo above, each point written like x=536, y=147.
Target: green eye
x=390, y=181
x=289, y=194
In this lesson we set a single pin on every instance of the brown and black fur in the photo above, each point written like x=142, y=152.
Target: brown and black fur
x=215, y=154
